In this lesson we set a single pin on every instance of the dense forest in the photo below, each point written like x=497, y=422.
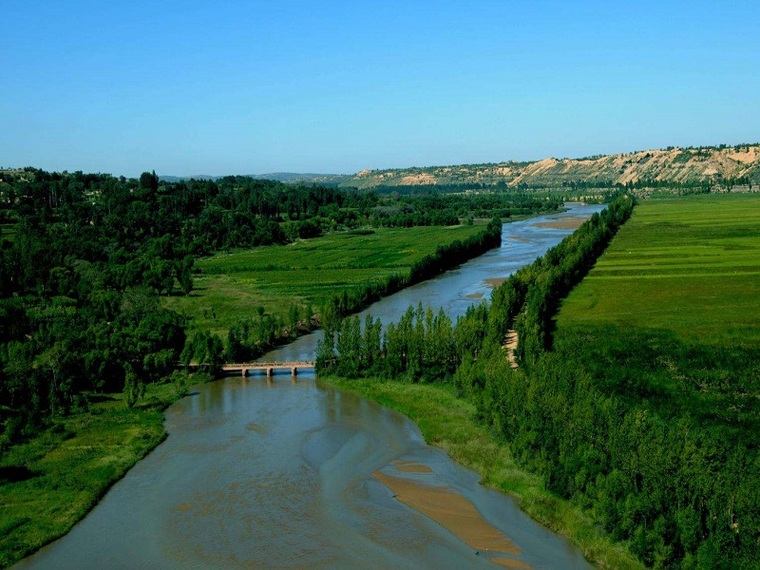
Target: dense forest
x=674, y=482
x=84, y=259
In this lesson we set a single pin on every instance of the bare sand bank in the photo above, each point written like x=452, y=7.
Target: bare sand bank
x=495, y=281
x=569, y=223
x=453, y=512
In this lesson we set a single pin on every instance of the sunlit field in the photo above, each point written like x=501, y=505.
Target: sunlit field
x=689, y=265
x=233, y=286
x=670, y=312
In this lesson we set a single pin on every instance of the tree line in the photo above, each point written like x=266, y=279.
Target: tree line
x=527, y=302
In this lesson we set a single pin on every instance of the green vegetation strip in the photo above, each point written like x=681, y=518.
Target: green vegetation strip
x=450, y=423
x=232, y=286
x=689, y=266
x=8, y=231
x=52, y=481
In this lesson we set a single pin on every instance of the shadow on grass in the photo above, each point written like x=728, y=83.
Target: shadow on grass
x=96, y=397
x=193, y=293
x=15, y=474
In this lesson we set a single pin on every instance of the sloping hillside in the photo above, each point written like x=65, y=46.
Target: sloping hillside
x=684, y=166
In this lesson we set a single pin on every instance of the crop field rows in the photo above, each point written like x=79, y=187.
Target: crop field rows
x=690, y=266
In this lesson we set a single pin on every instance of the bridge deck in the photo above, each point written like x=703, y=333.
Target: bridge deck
x=268, y=367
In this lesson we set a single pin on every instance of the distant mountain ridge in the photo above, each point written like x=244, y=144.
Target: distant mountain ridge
x=738, y=163
x=296, y=177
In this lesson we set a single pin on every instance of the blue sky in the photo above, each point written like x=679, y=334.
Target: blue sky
x=335, y=87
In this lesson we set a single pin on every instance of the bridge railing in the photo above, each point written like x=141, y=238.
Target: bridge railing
x=261, y=365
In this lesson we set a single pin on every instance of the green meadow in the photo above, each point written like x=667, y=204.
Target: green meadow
x=232, y=286
x=687, y=265
x=69, y=467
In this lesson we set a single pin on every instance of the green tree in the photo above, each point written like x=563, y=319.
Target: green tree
x=134, y=388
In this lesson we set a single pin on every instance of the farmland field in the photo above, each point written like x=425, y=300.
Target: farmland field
x=232, y=286
x=691, y=266
x=670, y=312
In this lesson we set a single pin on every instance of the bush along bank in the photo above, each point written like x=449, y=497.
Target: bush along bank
x=587, y=411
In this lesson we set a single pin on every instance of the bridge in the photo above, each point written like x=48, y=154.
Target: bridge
x=269, y=367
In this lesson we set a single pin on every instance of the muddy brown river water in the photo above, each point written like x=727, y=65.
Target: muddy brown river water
x=287, y=474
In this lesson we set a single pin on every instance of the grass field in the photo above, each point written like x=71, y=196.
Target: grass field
x=687, y=265
x=671, y=311
x=71, y=465
x=232, y=286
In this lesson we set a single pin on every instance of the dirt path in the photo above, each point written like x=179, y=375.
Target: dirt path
x=510, y=345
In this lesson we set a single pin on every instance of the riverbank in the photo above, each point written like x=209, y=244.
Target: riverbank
x=450, y=423
x=51, y=482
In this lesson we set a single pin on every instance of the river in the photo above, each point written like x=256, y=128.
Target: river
x=286, y=473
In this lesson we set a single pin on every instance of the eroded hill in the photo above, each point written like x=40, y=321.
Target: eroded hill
x=725, y=165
